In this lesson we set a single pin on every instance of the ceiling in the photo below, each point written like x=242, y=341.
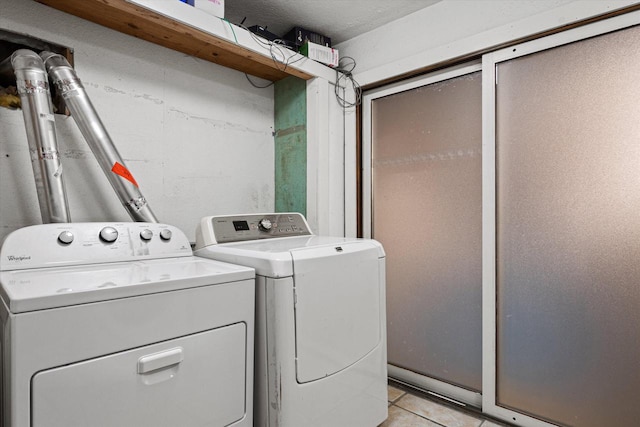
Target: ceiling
x=339, y=20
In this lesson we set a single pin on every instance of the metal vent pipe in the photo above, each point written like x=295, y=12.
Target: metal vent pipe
x=94, y=132
x=33, y=87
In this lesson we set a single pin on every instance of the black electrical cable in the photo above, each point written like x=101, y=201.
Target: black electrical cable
x=345, y=73
x=273, y=47
x=256, y=85
x=275, y=50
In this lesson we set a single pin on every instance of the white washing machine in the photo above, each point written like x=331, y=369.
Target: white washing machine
x=321, y=356
x=118, y=324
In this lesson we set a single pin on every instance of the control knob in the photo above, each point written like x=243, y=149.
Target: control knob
x=146, y=234
x=265, y=224
x=109, y=234
x=165, y=234
x=66, y=237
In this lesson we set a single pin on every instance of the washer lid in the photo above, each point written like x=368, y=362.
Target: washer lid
x=45, y=288
x=272, y=257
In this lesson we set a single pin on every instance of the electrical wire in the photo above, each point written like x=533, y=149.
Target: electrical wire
x=344, y=73
x=257, y=85
x=275, y=51
x=232, y=30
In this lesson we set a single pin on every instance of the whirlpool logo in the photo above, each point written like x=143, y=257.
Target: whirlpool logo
x=14, y=258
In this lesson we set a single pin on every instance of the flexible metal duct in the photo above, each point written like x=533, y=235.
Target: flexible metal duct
x=86, y=117
x=33, y=88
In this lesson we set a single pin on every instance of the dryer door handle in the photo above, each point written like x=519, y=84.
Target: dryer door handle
x=163, y=359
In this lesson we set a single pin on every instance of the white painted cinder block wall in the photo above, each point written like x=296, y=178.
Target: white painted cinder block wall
x=196, y=136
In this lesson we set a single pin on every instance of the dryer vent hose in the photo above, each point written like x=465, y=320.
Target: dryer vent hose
x=33, y=88
x=94, y=132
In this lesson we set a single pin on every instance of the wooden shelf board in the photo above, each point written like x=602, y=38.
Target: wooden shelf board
x=155, y=28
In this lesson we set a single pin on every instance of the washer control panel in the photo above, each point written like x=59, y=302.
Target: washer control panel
x=237, y=228
x=61, y=244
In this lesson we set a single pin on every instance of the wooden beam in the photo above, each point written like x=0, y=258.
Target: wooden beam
x=155, y=28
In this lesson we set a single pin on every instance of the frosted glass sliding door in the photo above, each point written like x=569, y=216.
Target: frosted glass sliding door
x=568, y=232
x=426, y=211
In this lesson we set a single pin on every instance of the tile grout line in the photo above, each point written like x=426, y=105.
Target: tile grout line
x=420, y=416
x=398, y=398
x=406, y=393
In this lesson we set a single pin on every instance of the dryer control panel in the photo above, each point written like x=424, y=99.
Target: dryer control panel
x=62, y=244
x=237, y=228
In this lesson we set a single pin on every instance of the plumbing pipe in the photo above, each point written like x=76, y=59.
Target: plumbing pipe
x=33, y=88
x=94, y=132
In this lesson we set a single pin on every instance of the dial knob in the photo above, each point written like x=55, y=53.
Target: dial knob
x=109, y=234
x=265, y=224
x=165, y=234
x=66, y=237
x=146, y=234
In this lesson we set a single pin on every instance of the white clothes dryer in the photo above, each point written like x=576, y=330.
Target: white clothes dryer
x=118, y=324
x=321, y=356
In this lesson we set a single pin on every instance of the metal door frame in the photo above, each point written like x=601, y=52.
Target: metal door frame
x=490, y=77
x=434, y=386
x=487, y=399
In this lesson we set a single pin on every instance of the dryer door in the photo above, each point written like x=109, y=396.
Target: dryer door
x=195, y=380
x=337, y=307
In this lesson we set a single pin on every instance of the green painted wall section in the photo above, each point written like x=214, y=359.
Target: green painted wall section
x=291, y=145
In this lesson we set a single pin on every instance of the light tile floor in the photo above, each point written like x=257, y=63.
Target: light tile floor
x=407, y=409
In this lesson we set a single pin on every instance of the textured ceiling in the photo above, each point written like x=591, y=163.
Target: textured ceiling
x=338, y=19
